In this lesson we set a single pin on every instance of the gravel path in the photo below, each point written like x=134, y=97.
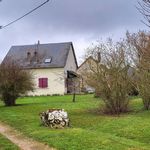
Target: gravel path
x=21, y=141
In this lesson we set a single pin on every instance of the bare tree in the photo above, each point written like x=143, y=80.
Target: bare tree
x=109, y=75
x=144, y=9
x=14, y=81
x=139, y=44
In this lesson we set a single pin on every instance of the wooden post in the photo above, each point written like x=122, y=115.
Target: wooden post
x=74, y=92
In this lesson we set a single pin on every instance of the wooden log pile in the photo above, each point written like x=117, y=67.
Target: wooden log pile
x=55, y=118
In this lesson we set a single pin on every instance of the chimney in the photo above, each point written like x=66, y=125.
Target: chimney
x=35, y=57
x=99, y=57
x=28, y=56
x=35, y=53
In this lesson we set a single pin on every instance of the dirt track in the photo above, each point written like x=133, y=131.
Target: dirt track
x=21, y=141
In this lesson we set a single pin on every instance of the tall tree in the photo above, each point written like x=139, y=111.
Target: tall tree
x=139, y=44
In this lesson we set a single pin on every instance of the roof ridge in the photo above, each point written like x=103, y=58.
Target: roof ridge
x=43, y=44
x=58, y=51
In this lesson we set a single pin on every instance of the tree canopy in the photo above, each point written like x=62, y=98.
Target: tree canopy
x=14, y=82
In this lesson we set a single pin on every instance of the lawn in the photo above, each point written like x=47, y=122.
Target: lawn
x=6, y=144
x=88, y=131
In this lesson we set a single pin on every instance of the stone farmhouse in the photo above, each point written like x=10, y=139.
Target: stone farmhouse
x=82, y=72
x=53, y=66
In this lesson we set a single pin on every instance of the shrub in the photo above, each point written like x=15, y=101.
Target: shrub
x=109, y=76
x=139, y=43
x=13, y=82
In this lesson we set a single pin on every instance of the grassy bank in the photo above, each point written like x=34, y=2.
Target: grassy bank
x=5, y=144
x=89, y=131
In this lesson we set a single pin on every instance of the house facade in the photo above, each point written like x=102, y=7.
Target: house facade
x=53, y=66
x=82, y=70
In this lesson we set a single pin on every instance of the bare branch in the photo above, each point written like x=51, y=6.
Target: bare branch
x=144, y=8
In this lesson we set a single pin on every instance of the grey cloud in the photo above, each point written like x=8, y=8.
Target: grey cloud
x=71, y=20
x=89, y=15
x=79, y=16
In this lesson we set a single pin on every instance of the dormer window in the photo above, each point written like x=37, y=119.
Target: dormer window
x=48, y=60
x=35, y=53
x=28, y=54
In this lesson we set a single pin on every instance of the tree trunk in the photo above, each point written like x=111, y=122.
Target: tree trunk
x=74, y=97
x=74, y=92
x=9, y=100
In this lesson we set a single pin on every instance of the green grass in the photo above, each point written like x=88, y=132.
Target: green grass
x=5, y=144
x=89, y=131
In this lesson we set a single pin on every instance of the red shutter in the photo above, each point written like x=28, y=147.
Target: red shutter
x=40, y=82
x=45, y=82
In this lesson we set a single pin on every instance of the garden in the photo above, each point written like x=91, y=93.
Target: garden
x=89, y=129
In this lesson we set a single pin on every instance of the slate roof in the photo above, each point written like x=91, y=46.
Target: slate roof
x=34, y=56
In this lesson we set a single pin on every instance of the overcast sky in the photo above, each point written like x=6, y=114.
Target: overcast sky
x=79, y=21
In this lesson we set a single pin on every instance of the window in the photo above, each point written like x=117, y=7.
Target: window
x=35, y=53
x=43, y=82
x=48, y=60
x=28, y=54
